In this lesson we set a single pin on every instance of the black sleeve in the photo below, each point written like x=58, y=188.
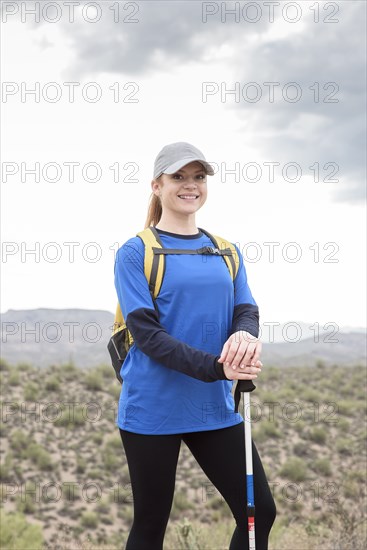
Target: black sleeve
x=246, y=317
x=153, y=340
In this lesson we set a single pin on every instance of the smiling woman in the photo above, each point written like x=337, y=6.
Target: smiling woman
x=179, y=372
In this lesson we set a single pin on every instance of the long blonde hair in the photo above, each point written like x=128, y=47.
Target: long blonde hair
x=154, y=210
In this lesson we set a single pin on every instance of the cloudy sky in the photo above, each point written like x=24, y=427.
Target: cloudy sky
x=273, y=93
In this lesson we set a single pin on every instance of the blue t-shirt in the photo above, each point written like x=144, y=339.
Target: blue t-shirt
x=172, y=380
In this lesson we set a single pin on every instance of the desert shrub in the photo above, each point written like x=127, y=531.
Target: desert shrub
x=265, y=430
x=103, y=506
x=317, y=435
x=4, y=365
x=89, y=519
x=24, y=367
x=344, y=446
x=311, y=395
x=114, y=442
x=6, y=469
x=186, y=537
x=39, y=456
x=52, y=384
x=180, y=503
x=17, y=533
x=301, y=449
x=113, y=453
x=81, y=465
x=97, y=438
x=114, y=390
x=31, y=392
x=299, y=426
x=111, y=460
x=72, y=417
x=94, y=381
x=14, y=378
x=343, y=425
x=19, y=442
x=25, y=503
x=346, y=407
x=294, y=469
x=95, y=474
x=68, y=371
x=357, y=475
x=106, y=371
x=351, y=489
x=322, y=466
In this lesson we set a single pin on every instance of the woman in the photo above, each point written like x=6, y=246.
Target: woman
x=179, y=373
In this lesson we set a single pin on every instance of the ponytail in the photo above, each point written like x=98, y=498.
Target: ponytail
x=154, y=211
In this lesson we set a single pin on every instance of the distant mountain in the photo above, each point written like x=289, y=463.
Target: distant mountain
x=346, y=348
x=50, y=336
x=45, y=336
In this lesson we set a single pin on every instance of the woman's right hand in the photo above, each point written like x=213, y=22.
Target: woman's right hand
x=246, y=373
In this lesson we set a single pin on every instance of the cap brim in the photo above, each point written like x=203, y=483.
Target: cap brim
x=181, y=163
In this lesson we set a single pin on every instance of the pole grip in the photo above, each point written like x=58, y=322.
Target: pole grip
x=242, y=386
x=245, y=385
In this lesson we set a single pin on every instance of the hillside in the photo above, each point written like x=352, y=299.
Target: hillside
x=63, y=468
x=44, y=337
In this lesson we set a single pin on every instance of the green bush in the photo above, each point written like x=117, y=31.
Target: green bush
x=115, y=390
x=94, y=381
x=52, y=384
x=19, y=442
x=3, y=364
x=180, y=502
x=89, y=519
x=31, y=392
x=294, y=469
x=343, y=425
x=25, y=502
x=111, y=460
x=6, y=469
x=14, y=378
x=351, y=489
x=103, y=506
x=81, y=465
x=106, y=371
x=97, y=438
x=39, y=456
x=301, y=448
x=71, y=417
x=24, y=367
x=266, y=430
x=311, y=395
x=322, y=466
x=343, y=446
x=17, y=533
x=346, y=407
x=317, y=435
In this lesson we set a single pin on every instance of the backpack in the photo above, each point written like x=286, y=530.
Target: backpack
x=154, y=267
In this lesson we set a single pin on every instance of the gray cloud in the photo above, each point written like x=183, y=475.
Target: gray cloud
x=309, y=131
x=173, y=32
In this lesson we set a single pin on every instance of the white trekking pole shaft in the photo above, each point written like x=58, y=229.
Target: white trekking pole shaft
x=246, y=387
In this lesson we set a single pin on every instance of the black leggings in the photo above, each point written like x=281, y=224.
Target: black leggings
x=152, y=462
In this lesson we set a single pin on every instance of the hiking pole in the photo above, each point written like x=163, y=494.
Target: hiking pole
x=246, y=387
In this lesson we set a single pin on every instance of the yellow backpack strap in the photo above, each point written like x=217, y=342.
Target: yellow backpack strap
x=119, y=319
x=154, y=264
x=232, y=260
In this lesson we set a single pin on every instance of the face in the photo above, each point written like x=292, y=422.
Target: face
x=176, y=189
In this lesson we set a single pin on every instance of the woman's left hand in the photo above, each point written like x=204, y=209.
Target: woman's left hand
x=241, y=350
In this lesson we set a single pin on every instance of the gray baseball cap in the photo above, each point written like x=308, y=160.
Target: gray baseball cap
x=176, y=155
